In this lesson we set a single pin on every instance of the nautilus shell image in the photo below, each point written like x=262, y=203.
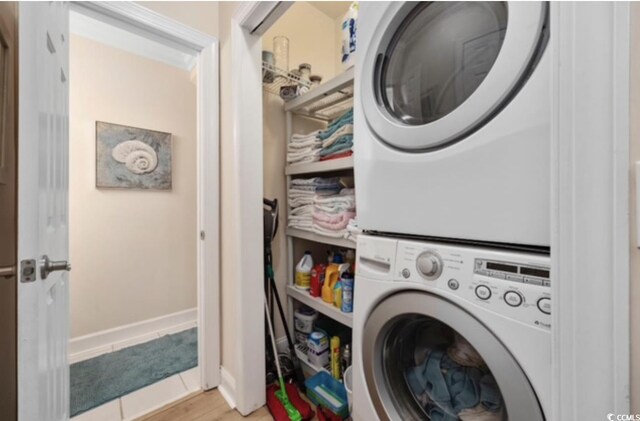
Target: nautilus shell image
x=132, y=158
x=137, y=156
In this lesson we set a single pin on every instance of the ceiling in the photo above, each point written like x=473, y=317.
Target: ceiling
x=333, y=9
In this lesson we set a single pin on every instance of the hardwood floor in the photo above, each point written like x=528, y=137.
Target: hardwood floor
x=205, y=406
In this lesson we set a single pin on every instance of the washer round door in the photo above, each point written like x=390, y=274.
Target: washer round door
x=426, y=358
x=440, y=70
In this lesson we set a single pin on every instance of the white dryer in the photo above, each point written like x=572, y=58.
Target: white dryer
x=450, y=332
x=452, y=121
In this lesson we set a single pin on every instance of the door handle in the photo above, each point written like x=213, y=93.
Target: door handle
x=47, y=266
x=7, y=271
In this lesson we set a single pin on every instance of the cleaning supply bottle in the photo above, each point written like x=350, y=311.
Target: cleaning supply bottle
x=303, y=271
x=332, y=275
x=345, y=359
x=317, y=279
x=335, y=357
x=347, y=292
x=337, y=293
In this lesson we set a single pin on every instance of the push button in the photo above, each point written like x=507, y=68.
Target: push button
x=453, y=284
x=544, y=305
x=483, y=292
x=406, y=273
x=513, y=299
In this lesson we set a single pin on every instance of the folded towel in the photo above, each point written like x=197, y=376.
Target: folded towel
x=337, y=155
x=333, y=218
x=343, y=143
x=294, y=202
x=339, y=224
x=313, y=143
x=343, y=130
x=353, y=230
x=344, y=119
x=298, y=136
x=302, y=210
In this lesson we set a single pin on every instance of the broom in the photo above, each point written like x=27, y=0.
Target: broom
x=292, y=412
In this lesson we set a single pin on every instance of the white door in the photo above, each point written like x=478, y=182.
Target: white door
x=43, y=309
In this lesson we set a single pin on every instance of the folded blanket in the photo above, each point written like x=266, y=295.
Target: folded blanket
x=293, y=157
x=343, y=130
x=295, y=202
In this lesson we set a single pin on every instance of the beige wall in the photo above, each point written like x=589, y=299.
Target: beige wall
x=634, y=156
x=133, y=252
x=200, y=15
x=312, y=39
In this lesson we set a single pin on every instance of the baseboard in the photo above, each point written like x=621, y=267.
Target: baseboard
x=227, y=387
x=101, y=342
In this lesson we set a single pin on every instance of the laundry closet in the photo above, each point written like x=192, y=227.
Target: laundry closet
x=308, y=168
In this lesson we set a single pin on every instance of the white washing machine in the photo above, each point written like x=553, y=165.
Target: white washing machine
x=452, y=121
x=448, y=332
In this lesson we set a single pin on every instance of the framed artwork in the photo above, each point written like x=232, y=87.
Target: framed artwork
x=132, y=158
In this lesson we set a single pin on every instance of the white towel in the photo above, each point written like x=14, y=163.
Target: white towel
x=297, y=136
x=294, y=202
x=328, y=233
x=302, y=210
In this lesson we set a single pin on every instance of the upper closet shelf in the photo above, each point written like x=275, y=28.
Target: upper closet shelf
x=327, y=101
x=273, y=78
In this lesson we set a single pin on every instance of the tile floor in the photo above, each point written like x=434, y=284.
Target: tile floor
x=147, y=399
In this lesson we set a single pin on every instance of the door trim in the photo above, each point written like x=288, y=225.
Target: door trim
x=133, y=17
x=590, y=209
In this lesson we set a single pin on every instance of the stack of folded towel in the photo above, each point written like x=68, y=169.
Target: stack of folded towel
x=302, y=194
x=337, y=139
x=331, y=214
x=304, y=148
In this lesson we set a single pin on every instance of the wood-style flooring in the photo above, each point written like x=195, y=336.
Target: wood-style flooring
x=205, y=406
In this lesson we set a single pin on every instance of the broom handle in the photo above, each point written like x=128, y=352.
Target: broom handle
x=273, y=343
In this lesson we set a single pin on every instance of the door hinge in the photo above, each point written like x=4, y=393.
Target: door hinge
x=202, y=235
x=28, y=270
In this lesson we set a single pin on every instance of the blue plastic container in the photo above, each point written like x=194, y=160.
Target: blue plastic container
x=328, y=392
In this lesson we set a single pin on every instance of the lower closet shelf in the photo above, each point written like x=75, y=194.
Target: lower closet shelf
x=317, y=304
x=301, y=353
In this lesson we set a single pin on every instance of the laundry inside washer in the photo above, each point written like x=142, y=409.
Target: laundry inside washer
x=440, y=371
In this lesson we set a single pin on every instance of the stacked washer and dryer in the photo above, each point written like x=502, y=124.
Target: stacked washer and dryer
x=452, y=306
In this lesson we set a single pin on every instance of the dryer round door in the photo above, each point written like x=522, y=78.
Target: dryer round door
x=439, y=71
x=427, y=358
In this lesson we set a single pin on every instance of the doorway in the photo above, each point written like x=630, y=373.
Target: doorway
x=49, y=347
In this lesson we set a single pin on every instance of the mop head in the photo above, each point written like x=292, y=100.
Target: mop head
x=287, y=406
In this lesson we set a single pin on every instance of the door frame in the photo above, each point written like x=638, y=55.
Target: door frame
x=588, y=243
x=136, y=18
x=590, y=209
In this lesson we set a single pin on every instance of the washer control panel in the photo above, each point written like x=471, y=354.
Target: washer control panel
x=511, y=283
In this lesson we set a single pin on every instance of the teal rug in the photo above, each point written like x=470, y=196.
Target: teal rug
x=109, y=376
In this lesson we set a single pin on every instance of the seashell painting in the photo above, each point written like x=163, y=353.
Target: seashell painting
x=132, y=158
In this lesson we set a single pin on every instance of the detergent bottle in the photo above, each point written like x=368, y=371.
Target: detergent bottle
x=331, y=277
x=303, y=271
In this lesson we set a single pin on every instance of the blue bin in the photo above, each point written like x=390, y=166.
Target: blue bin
x=325, y=391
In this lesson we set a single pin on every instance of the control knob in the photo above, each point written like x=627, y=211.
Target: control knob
x=429, y=265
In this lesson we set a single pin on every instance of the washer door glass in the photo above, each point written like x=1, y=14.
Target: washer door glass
x=438, y=71
x=439, y=57
x=448, y=367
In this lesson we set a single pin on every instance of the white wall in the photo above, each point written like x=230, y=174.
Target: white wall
x=133, y=252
